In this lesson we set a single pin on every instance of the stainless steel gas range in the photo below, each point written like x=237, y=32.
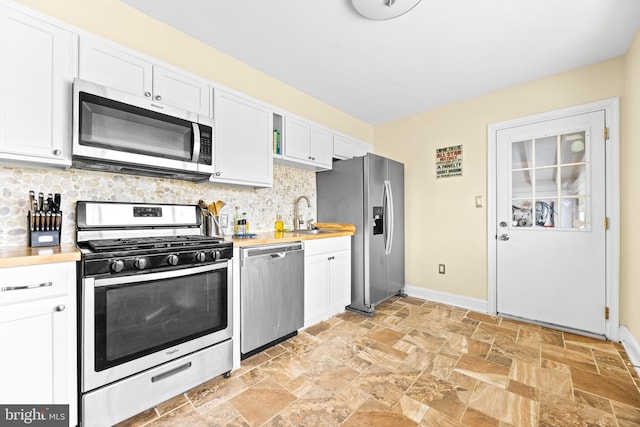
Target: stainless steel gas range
x=155, y=306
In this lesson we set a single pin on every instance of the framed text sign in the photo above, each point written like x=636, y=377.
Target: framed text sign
x=449, y=161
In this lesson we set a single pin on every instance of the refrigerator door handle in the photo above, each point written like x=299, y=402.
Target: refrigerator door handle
x=388, y=231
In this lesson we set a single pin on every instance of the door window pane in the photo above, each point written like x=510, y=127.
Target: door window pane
x=521, y=185
x=546, y=151
x=573, y=213
x=573, y=148
x=546, y=182
x=521, y=156
x=545, y=213
x=574, y=182
x=521, y=213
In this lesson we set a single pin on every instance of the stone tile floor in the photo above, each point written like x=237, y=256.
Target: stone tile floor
x=418, y=363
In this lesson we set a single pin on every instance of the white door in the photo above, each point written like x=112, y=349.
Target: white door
x=550, y=230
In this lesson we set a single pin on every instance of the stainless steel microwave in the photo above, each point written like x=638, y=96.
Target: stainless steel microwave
x=114, y=131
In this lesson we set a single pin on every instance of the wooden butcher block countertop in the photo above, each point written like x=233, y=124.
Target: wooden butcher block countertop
x=18, y=256
x=271, y=237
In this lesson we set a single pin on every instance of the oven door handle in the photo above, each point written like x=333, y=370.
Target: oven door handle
x=138, y=278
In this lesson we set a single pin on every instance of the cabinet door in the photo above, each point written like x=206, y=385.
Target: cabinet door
x=342, y=147
x=321, y=146
x=340, y=279
x=181, y=91
x=316, y=291
x=114, y=68
x=242, y=145
x=297, y=139
x=36, y=73
x=34, y=360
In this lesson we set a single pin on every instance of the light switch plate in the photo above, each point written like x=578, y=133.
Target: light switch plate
x=479, y=201
x=441, y=268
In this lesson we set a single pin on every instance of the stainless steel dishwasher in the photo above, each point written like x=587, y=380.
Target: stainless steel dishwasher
x=271, y=295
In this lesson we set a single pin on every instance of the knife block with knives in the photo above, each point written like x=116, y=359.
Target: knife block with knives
x=44, y=219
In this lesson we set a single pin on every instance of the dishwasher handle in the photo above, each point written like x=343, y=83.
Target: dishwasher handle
x=275, y=251
x=279, y=255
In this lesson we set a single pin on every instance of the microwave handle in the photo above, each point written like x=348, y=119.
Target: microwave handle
x=196, y=143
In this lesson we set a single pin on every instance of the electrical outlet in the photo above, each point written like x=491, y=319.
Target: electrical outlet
x=441, y=268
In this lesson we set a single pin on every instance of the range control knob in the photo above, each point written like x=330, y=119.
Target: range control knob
x=140, y=263
x=117, y=266
x=216, y=255
x=173, y=260
x=200, y=256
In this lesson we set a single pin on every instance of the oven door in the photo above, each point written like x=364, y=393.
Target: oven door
x=136, y=322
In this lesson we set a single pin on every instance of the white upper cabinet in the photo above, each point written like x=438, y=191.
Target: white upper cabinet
x=115, y=67
x=307, y=143
x=36, y=75
x=342, y=147
x=242, y=144
x=345, y=147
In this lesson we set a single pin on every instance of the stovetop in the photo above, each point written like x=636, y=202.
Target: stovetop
x=151, y=242
x=118, y=239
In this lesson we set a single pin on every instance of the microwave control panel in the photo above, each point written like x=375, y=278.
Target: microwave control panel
x=206, y=146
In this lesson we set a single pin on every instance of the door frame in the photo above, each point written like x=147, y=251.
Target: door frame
x=611, y=108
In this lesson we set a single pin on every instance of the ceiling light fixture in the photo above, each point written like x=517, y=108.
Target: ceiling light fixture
x=383, y=9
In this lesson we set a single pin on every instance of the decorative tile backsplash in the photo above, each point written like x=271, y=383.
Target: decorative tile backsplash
x=261, y=205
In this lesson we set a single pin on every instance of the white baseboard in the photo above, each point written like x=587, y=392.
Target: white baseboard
x=446, y=298
x=631, y=345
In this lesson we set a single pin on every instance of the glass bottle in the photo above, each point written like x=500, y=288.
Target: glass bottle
x=245, y=222
x=279, y=223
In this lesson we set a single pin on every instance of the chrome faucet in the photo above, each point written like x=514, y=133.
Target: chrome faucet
x=296, y=212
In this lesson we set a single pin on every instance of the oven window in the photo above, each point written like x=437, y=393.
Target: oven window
x=112, y=125
x=138, y=319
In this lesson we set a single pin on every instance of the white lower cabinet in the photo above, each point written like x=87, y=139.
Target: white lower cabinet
x=38, y=334
x=327, y=278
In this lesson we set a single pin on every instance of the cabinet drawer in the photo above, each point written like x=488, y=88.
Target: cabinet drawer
x=329, y=244
x=20, y=284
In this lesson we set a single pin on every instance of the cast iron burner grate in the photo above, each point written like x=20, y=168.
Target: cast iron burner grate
x=105, y=245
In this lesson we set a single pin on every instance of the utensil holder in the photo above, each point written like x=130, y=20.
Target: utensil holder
x=211, y=226
x=42, y=238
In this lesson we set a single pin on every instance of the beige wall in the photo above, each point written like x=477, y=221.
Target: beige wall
x=123, y=24
x=443, y=224
x=630, y=194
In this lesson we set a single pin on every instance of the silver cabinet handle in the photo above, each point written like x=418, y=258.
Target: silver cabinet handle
x=147, y=94
x=57, y=152
x=158, y=98
x=61, y=307
x=504, y=237
x=217, y=173
x=331, y=258
x=19, y=288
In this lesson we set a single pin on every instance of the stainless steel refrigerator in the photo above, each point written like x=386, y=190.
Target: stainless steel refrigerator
x=369, y=193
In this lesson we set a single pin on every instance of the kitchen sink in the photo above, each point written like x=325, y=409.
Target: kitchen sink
x=314, y=231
